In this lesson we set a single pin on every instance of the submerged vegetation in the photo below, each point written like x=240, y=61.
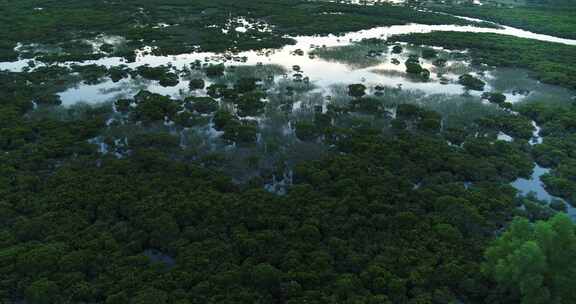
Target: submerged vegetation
x=242, y=178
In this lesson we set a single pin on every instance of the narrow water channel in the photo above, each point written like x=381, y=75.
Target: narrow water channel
x=535, y=185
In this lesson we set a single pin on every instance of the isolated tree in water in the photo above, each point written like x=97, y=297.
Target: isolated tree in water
x=536, y=261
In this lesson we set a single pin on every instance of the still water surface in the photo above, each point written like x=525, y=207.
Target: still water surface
x=325, y=74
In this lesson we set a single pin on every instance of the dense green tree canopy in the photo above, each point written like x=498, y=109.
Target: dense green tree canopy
x=256, y=188
x=536, y=260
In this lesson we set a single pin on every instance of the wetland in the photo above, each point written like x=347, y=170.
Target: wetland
x=279, y=151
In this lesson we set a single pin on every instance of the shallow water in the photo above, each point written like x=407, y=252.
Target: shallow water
x=304, y=43
x=327, y=75
x=519, y=85
x=322, y=73
x=535, y=185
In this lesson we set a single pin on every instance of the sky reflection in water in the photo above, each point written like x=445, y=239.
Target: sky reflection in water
x=324, y=74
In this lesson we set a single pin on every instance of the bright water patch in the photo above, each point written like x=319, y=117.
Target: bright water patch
x=305, y=42
x=534, y=185
x=324, y=73
x=326, y=79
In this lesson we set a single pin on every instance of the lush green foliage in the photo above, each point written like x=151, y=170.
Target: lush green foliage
x=116, y=203
x=340, y=227
x=385, y=219
x=536, y=261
